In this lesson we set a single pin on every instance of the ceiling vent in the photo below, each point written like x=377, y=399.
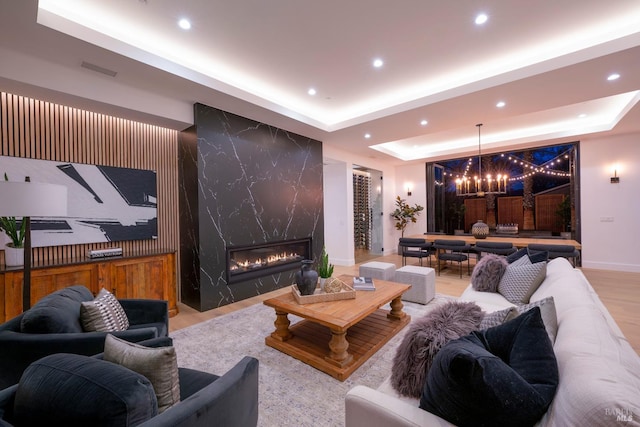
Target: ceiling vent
x=99, y=69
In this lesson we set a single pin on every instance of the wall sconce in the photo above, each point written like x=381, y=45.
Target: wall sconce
x=615, y=179
x=408, y=190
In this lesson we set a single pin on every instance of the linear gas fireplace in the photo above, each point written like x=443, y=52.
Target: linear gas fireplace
x=250, y=262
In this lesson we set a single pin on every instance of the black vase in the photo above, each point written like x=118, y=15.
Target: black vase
x=306, y=278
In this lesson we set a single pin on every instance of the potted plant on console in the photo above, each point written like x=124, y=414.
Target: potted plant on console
x=325, y=270
x=14, y=250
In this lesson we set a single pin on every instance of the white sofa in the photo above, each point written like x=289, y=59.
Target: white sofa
x=599, y=370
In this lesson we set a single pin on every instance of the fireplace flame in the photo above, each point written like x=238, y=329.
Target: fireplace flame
x=265, y=262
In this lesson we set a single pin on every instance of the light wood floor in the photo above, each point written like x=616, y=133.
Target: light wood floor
x=619, y=291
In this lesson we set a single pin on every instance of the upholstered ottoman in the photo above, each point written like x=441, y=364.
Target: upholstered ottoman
x=422, y=281
x=378, y=270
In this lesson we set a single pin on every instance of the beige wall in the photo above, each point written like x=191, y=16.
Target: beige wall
x=610, y=245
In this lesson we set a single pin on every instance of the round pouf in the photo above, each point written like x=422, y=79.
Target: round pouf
x=480, y=230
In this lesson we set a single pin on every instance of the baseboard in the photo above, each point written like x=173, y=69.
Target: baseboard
x=344, y=262
x=629, y=268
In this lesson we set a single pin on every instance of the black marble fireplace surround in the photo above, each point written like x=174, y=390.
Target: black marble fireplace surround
x=243, y=184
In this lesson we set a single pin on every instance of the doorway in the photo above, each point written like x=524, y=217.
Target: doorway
x=367, y=213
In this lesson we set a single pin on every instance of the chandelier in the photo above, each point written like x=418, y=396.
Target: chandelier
x=479, y=185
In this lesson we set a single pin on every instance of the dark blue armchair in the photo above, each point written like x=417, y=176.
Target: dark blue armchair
x=106, y=393
x=53, y=326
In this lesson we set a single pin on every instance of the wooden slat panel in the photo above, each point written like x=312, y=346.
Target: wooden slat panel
x=41, y=130
x=546, y=207
x=475, y=209
x=510, y=211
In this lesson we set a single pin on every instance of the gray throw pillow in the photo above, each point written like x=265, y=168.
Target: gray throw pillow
x=521, y=261
x=423, y=340
x=519, y=282
x=488, y=272
x=103, y=314
x=158, y=365
x=497, y=318
x=548, y=313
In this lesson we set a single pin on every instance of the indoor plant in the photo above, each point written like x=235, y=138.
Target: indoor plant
x=564, y=214
x=458, y=211
x=14, y=250
x=325, y=270
x=405, y=214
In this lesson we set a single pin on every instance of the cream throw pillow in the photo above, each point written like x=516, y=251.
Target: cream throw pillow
x=158, y=365
x=103, y=314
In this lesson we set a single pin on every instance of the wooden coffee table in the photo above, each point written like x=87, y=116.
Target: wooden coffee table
x=337, y=337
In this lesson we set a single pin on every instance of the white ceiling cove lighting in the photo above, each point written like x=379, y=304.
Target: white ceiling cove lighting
x=604, y=114
x=534, y=53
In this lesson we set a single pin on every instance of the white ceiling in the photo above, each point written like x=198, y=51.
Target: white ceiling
x=548, y=62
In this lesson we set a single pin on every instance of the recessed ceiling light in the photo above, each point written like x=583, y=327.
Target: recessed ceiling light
x=367, y=135
x=582, y=116
x=501, y=104
x=614, y=76
x=424, y=122
x=481, y=18
x=184, y=23
x=311, y=91
x=377, y=63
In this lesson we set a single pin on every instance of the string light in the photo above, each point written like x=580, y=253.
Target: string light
x=550, y=168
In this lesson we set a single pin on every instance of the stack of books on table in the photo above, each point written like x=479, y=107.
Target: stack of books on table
x=363, y=284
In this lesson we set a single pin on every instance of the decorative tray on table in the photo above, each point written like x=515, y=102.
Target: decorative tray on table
x=346, y=292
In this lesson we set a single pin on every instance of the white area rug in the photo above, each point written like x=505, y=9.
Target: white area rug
x=291, y=393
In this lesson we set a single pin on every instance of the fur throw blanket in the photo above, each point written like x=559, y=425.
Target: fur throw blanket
x=423, y=340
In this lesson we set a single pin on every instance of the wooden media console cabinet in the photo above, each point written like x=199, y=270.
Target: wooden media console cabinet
x=149, y=275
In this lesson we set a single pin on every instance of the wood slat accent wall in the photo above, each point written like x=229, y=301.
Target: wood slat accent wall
x=475, y=209
x=510, y=211
x=42, y=130
x=546, y=207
